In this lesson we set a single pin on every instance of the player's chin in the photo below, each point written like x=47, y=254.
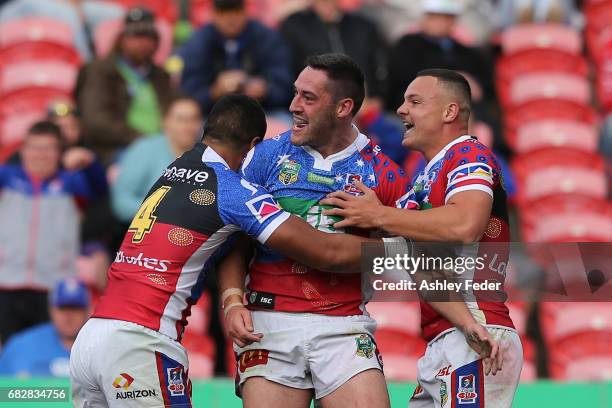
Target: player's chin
x=299, y=137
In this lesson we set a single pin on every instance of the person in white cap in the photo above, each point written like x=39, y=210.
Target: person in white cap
x=434, y=47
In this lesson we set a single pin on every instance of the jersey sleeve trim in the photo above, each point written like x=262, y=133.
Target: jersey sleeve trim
x=274, y=224
x=479, y=187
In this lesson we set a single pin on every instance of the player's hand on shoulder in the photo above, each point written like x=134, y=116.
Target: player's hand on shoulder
x=239, y=326
x=480, y=340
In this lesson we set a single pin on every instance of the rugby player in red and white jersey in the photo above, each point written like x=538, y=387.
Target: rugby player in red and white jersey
x=317, y=336
x=461, y=197
x=129, y=353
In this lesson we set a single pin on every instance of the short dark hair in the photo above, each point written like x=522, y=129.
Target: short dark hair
x=227, y=5
x=235, y=120
x=347, y=75
x=456, y=83
x=46, y=127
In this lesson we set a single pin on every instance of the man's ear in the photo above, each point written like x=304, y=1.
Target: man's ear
x=344, y=108
x=254, y=142
x=451, y=112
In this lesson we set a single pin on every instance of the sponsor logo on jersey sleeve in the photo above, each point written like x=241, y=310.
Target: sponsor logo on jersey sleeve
x=263, y=207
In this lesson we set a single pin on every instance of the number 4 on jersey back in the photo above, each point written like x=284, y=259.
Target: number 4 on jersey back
x=144, y=219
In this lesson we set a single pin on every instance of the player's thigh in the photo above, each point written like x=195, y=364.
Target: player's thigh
x=367, y=389
x=139, y=367
x=258, y=392
x=340, y=349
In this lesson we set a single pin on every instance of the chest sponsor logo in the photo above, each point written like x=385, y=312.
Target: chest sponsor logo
x=261, y=299
x=176, y=385
x=289, y=172
x=318, y=179
x=154, y=264
x=252, y=358
x=185, y=175
x=263, y=207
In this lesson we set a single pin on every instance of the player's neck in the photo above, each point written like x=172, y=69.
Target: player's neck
x=442, y=142
x=337, y=140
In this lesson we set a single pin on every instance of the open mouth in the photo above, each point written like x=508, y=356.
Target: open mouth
x=299, y=124
x=408, y=126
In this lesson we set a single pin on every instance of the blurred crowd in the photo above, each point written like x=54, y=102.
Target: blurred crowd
x=97, y=97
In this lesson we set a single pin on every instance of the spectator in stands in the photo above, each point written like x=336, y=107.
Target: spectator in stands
x=44, y=350
x=121, y=97
x=234, y=54
x=433, y=47
x=512, y=12
x=81, y=15
x=324, y=28
x=39, y=238
x=182, y=128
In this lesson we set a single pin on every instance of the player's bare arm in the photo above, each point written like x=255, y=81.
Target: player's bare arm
x=463, y=218
x=231, y=276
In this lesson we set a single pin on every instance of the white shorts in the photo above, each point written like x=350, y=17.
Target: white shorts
x=114, y=363
x=450, y=374
x=304, y=350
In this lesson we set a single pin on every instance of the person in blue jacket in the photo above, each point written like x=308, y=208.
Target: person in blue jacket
x=236, y=55
x=44, y=350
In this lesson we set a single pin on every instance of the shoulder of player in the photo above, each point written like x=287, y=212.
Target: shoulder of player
x=273, y=145
x=373, y=153
x=470, y=151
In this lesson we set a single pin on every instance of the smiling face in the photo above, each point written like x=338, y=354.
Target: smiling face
x=422, y=113
x=313, y=108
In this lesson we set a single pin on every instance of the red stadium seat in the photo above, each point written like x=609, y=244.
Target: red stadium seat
x=536, y=217
x=36, y=38
x=106, y=33
x=200, y=315
x=604, y=77
x=162, y=9
x=29, y=99
x=201, y=350
x=529, y=372
x=403, y=317
x=46, y=74
x=529, y=36
x=552, y=85
x=545, y=133
x=400, y=353
x=14, y=127
x=559, y=170
x=578, y=336
x=546, y=109
x=510, y=67
x=35, y=29
x=598, y=16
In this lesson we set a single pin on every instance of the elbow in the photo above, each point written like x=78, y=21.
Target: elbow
x=466, y=234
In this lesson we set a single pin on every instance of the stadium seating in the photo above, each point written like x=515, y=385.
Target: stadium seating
x=54, y=74
x=598, y=15
x=36, y=38
x=402, y=317
x=538, y=134
x=162, y=9
x=546, y=109
x=578, y=336
x=530, y=36
x=14, y=127
x=552, y=85
x=201, y=351
x=554, y=218
x=559, y=170
x=529, y=61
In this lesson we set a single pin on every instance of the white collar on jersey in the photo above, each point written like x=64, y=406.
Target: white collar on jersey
x=326, y=163
x=442, y=152
x=210, y=156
